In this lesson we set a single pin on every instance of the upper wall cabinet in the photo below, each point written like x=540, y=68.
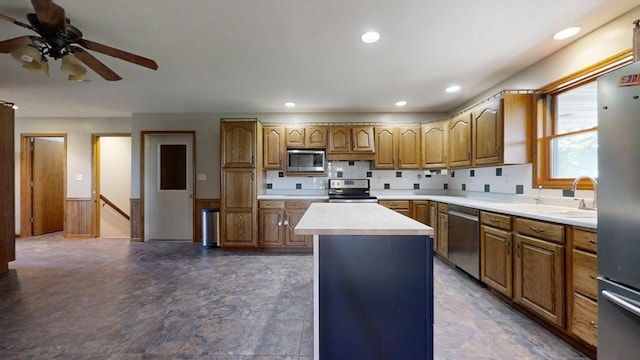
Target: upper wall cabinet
x=273, y=147
x=409, y=150
x=238, y=144
x=386, y=142
x=362, y=139
x=501, y=130
x=435, y=150
x=306, y=137
x=351, y=143
x=460, y=140
x=397, y=147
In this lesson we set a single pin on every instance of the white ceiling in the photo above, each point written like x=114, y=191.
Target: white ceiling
x=246, y=56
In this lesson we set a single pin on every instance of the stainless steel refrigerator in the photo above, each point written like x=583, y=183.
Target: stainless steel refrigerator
x=619, y=214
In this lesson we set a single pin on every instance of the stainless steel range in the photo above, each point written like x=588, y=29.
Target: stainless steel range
x=350, y=191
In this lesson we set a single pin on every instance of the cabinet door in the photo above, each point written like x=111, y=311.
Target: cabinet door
x=339, y=139
x=273, y=148
x=292, y=217
x=362, y=139
x=539, y=277
x=386, y=147
x=496, y=259
x=238, y=144
x=443, y=235
x=270, y=227
x=420, y=211
x=237, y=207
x=237, y=228
x=435, y=142
x=409, y=149
x=316, y=137
x=294, y=137
x=460, y=140
x=488, y=133
x=238, y=189
x=433, y=222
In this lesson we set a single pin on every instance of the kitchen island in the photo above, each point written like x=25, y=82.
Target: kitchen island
x=373, y=282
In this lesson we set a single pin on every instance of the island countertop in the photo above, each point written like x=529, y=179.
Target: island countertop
x=357, y=219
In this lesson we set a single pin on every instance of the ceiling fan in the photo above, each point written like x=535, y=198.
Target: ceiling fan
x=57, y=39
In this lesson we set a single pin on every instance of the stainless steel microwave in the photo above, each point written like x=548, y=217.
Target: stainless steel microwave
x=306, y=161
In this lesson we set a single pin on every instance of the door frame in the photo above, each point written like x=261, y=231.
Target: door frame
x=25, y=178
x=95, y=176
x=143, y=155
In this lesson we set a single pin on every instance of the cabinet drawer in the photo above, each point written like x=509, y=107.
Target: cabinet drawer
x=395, y=204
x=496, y=220
x=585, y=240
x=443, y=208
x=585, y=273
x=297, y=204
x=271, y=204
x=540, y=230
x=585, y=319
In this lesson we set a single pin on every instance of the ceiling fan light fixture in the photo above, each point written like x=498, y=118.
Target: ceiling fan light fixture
x=81, y=77
x=27, y=55
x=72, y=66
x=41, y=68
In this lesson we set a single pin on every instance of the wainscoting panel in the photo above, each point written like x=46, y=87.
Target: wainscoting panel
x=137, y=225
x=78, y=218
x=199, y=205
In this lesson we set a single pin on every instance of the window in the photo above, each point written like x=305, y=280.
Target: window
x=567, y=131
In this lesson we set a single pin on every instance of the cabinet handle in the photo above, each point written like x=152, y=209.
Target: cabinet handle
x=536, y=229
x=593, y=242
x=469, y=155
x=286, y=221
x=279, y=221
x=493, y=220
x=253, y=159
x=593, y=324
x=518, y=249
x=508, y=246
x=592, y=277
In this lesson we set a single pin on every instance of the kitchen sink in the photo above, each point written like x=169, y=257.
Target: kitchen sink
x=551, y=210
x=571, y=213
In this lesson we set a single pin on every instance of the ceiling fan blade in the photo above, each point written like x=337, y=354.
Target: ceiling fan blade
x=126, y=56
x=10, y=19
x=9, y=46
x=95, y=64
x=50, y=14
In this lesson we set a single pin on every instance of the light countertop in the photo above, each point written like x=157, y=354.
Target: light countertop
x=357, y=219
x=557, y=214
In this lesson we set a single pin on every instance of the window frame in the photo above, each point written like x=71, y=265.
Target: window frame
x=544, y=131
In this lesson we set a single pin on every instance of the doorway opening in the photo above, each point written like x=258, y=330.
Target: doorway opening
x=111, y=185
x=168, y=185
x=43, y=183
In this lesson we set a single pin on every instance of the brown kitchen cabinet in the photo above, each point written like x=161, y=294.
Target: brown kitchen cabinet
x=311, y=137
x=496, y=252
x=409, y=147
x=433, y=222
x=435, y=140
x=273, y=148
x=501, y=130
x=386, y=143
x=460, y=140
x=539, y=269
x=238, y=140
x=278, y=220
x=583, y=294
x=443, y=230
x=351, y=143
x=420, y=211
x=400, y=206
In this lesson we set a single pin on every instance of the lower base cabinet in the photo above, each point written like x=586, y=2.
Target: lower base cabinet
x=496, y=252
x=277, y=220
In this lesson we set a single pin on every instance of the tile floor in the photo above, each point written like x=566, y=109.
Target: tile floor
x=111, y=299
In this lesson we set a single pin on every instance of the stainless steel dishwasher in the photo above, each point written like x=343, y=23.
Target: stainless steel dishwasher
x=464, y=239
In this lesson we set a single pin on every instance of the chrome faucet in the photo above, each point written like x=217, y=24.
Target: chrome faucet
x=595, y=191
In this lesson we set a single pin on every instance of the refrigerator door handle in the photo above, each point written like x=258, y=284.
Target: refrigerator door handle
x=623, y=302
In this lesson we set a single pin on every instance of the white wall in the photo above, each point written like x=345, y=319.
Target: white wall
x=79, y=131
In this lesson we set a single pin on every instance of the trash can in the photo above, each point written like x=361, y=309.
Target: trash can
x=210, y=220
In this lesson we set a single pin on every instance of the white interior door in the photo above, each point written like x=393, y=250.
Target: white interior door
x=168, y=192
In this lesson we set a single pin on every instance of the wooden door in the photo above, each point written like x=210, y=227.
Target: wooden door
x=539, y=277
x=409, y=147
x=460, y=140
x=420, y=211
x=362, y=139
x=274, y=149
x=443, y=235
x=292, y=218
x=47, y=155
x=238, y=144
x=488, y=133
x=294, y=137
x=339, y=139
x=496, y=261
x=316, y=137
x=237, y=202
x=435, y=144
x=386, y=143
x=270, y=223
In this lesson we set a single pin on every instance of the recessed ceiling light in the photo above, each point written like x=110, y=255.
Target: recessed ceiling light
x=401, y=103
x=566, y=33
x=15, y=107
x=370, y=37
x=290, y=104
x=453, y=88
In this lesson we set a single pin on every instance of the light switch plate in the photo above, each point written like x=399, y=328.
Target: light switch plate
x=202, y=177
